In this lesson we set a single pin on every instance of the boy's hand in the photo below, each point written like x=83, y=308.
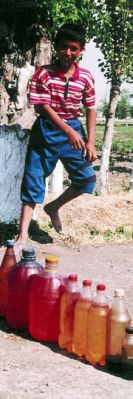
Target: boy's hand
x=76, y=141
x=91, y=152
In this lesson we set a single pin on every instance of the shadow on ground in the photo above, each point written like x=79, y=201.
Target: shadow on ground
x=10, y=231
x=116, y=370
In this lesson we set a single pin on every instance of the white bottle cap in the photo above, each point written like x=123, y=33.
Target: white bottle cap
x=119, y=292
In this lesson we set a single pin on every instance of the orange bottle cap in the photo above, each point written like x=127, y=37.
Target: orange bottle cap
x=49, y=259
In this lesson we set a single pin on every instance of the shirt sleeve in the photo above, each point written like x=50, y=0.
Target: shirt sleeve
x=89, y=93
x=39, y=92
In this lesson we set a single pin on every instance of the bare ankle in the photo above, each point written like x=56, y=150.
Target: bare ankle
x=22, y=238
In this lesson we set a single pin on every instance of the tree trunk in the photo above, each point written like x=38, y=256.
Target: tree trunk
x=16, y=116
x=107, y=140
x=13, y=145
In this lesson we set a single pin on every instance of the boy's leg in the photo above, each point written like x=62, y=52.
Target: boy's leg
x=52, y=208
x=25, y=219
x=81, y=175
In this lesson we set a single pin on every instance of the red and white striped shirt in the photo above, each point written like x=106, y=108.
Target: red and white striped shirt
x=48, y=86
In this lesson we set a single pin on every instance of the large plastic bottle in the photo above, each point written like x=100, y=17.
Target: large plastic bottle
x=68, y=302
x=97, y=328
x=127, y=354
x=44, y=304
x=9, y=260
x=118, y=320
x=81, y=319
x=19, y=282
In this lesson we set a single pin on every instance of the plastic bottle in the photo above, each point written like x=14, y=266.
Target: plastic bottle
x=19, y=282
x=127, y=354
x=81, y=319
x=9, y=260
x=97, y=328
x=68, y=301
x=44, y=301
x=118, y=320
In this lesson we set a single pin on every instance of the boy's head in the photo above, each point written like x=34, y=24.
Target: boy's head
x=70, y=32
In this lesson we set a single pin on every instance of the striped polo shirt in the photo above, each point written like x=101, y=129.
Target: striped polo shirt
x=50, y=86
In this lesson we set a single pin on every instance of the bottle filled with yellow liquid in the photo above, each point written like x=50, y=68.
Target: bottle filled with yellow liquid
x=68, y=301
x=81, y=319
x=97, y=328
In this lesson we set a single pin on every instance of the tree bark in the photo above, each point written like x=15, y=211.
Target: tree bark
x=16, y=116
x=107, y=140
x=13, y=146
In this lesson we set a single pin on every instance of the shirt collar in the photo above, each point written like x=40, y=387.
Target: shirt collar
x=60, y=73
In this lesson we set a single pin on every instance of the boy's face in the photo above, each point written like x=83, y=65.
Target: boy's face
x=67, y=52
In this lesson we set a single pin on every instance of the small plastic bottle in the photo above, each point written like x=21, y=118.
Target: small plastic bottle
x=17, y=310
x=118, y=320
x=9, y=260
x=44, y=301
x=81, y=319
x=97, y=328
x=127, y=354
x=68, y=302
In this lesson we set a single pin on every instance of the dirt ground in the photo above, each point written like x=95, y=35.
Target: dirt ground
x=92, y=219
x=34, y=370
x=96, y=244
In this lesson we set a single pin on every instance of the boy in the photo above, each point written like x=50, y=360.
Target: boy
x=57, y=90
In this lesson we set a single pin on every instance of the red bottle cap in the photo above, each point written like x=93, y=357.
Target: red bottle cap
x=101, y=287
x=87, y=283
x=72, y=277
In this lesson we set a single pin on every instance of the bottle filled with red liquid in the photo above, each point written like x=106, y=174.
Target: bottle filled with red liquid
x=68, y=302
x=81, y=319
x=44, y=301
x=9, y=260
x=97, y=328
x=18, y=296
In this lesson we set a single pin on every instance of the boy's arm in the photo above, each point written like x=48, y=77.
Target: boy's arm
x=91, y=126
x=74, y=138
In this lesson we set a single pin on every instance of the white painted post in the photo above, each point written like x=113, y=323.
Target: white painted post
x=56, y=179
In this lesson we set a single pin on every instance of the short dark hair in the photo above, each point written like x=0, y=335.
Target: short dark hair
x=70, y=32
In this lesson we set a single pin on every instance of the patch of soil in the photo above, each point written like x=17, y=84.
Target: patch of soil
x=92, y=219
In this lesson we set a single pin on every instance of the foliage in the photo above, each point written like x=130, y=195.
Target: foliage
x=124, y=105
x=122, y=141
x=121, y=232
x=123, y=109
x=113, y=35
x=103, y=108
x=27, y=21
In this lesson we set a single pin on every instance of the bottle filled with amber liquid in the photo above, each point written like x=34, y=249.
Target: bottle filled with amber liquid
x=97, y=328
x=118, y=319
x=67, y=307
x=127, y=354
x=81, y=319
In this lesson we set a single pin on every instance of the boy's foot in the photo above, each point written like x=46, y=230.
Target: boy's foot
x=54, y=216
